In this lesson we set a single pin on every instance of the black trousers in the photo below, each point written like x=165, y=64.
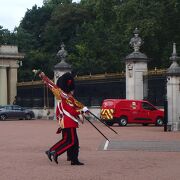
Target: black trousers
x=69, y=143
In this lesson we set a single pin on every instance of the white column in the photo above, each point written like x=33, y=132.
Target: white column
x=173, y=98
x=3, y=85
x=12, y=82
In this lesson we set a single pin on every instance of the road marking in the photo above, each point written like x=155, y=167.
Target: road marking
x=106, y=145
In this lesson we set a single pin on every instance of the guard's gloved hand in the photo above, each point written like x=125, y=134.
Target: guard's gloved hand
x=85, y=109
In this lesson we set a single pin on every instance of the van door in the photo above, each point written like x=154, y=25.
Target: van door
x=145, y=113
x=134, y=111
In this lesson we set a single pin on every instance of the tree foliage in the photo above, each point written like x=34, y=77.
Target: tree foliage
x=7, y=37
x=96, y=33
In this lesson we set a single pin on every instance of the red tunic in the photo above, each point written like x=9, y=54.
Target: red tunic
x=67, y=114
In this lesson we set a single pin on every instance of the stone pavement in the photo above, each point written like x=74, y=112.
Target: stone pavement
x=137, y=152
x=143, y=145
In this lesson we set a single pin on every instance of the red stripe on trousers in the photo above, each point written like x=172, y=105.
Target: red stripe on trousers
x=53, y=148
x=68, y=146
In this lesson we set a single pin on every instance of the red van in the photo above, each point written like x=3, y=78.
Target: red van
x=123, y=112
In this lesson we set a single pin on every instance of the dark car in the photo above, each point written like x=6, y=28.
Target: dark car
x=15, y=111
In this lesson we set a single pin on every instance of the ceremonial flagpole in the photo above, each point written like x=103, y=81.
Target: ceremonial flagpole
x=96, y=128
x=102, y=121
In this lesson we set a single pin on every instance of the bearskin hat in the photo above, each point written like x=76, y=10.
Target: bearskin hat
x=66, y=82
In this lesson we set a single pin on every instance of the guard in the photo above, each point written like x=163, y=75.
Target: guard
x=68, y=116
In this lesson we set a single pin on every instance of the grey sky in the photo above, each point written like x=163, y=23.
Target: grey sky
x=12, y=11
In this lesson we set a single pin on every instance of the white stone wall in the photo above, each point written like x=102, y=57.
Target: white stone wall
x=44, y=113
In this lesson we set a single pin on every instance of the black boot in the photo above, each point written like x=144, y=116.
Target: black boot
x=48, y=153
x=76, y=163
x=68, y=158
x=55, y=157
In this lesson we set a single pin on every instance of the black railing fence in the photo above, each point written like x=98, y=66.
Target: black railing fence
x=90, y=92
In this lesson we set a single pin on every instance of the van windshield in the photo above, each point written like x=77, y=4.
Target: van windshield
x=148, y=106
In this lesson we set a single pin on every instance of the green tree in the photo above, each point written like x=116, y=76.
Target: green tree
x=7, y=37
x=97, y=33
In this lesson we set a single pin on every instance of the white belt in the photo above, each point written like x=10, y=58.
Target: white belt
x=68, y=114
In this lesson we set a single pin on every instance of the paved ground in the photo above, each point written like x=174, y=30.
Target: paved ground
x=137, y=153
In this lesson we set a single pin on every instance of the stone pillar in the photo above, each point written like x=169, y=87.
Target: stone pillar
x=9, y=63
x=173, y=93
x=3, y=85
x=61, y=68
x=12, y=89
x=136, y=69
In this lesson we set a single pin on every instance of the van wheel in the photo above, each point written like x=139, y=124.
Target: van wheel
x=123, y=121
x=159, y=121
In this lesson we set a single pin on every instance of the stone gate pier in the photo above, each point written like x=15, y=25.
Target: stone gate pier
x=173, y=92
x=10, y=60
x=136, y=68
